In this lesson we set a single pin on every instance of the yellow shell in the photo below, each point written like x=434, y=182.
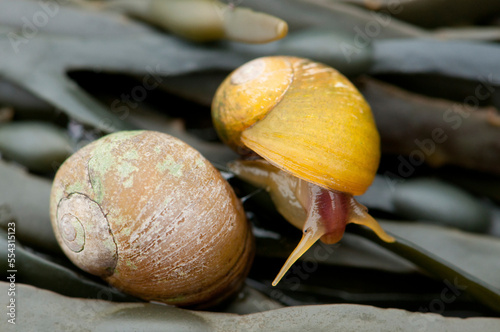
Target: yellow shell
x=302, y=116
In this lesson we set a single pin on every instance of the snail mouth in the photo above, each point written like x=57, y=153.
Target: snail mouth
x=333, y=210
x=328, y=213
x=85, y=236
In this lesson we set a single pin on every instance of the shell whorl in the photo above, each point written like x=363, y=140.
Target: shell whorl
x=85, y=231
x=246, y=96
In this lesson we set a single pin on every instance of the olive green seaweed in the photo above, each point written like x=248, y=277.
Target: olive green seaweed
x=25, y=200
x=441, y=253
x=47, y=309
x=40, y=146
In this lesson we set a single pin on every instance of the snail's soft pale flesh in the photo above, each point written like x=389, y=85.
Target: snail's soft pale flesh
x=319, y=212
x=318, y=136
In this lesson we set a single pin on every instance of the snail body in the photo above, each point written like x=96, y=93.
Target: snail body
x=151, y=216
x=307, y=120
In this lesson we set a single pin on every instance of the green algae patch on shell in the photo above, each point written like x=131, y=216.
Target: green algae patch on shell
x=172, y=218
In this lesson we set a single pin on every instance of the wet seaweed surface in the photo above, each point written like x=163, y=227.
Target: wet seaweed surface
x=73, y=71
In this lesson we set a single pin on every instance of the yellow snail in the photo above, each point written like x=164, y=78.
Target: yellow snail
x=151, y=216
x=318, y=139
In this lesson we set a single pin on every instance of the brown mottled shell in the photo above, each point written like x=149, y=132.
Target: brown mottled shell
x=150, y=215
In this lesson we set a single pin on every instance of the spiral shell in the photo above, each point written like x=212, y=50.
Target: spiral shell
x=303, y=117
x=151, y=216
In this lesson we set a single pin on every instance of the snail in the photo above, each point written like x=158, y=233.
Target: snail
x=316, y=137
x=151, y=216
